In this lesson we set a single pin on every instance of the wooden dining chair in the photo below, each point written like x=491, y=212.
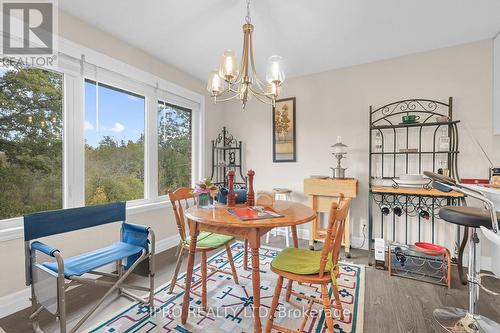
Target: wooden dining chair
x=312, y=267
x=206, y=241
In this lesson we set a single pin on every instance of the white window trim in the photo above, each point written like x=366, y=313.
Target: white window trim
x=74, y=134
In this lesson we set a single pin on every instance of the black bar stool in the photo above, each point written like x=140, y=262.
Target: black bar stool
x=455, y=319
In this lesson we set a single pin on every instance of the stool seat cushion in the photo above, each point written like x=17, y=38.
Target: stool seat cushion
x=86, y=262
x=211, y=240
x=467, y=216
x=300, y=261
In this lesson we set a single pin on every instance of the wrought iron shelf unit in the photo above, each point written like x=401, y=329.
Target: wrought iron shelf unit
x=227, y=155
x=387, y=136
x=414, y=152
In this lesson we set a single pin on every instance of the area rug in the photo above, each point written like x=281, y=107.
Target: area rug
x=230, y=305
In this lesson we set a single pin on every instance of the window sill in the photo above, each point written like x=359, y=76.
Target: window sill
x=13, y=228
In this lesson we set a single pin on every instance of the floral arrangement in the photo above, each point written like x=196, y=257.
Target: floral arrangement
x=205, y=186
x=206, y=191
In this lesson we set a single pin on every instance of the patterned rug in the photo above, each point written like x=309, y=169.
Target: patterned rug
x=230, y=305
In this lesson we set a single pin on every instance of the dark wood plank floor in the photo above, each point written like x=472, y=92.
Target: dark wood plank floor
x=392, y=304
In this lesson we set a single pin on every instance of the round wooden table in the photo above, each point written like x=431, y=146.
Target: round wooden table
x=218, y=220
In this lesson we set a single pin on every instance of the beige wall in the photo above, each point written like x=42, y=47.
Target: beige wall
x=336, y=103
x=161, y=220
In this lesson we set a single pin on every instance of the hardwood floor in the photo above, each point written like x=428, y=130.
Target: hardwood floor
x=392, y=304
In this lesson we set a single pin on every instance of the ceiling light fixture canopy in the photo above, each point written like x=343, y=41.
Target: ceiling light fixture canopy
x=229, y=82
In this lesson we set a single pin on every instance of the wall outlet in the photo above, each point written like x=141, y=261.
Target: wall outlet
x=362, y=226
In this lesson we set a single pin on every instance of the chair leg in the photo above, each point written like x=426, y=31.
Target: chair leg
x=120, y=270
x=327, y=307
x=177, y=268
x=231, y=262
x=287, y=238
x=337, y=301
x=245, y=256
x=267, y=237
x=151, y=283
x=274, y=304
x=204, y=280
x=288, y=290
x=35, y=310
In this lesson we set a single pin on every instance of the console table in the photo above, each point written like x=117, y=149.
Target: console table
x=321, y=193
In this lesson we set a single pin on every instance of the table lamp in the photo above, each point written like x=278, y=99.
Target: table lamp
x=339, y=151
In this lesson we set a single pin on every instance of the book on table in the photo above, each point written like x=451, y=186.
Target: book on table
x=253, y=213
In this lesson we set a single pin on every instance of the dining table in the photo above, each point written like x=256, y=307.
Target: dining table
x=219, y=220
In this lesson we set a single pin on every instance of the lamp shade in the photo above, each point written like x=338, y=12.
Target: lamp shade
x=339, y=148
x=228, y=66
x=275, y=71
x=215, y=84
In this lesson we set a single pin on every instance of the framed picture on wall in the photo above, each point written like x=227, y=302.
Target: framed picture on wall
x=284, y=140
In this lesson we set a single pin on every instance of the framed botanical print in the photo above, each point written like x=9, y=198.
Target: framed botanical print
x=284, y=145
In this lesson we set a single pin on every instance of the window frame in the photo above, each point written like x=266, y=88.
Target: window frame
x=76, y=63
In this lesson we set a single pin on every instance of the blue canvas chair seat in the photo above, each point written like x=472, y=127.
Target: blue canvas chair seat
x=49, y=280
x=84, y=263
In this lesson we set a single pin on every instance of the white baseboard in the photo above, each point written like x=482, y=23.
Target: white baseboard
x=484, y=261
x=20, y=300
x=15, y=302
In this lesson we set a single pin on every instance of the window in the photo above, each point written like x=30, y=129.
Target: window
x=114, y=144
x=31, y=153
x=174, y=147
x=120, y=143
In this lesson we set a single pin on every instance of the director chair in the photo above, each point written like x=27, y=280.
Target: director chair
x=51, y=277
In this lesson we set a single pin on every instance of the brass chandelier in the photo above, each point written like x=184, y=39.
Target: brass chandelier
x=229, y=83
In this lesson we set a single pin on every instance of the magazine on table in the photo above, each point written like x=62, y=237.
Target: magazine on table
x=253, y=213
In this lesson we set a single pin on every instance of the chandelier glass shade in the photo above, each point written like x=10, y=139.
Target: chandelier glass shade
x=233, y=82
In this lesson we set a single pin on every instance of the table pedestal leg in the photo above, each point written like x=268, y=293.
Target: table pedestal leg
x=194, y=230
x=254, y=240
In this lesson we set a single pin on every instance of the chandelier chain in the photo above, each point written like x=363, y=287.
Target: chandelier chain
x=248, y=19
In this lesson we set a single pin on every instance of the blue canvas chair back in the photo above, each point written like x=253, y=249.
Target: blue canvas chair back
x=54, y=222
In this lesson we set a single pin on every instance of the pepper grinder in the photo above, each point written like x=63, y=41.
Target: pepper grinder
x=231, y=196
x=250, y=193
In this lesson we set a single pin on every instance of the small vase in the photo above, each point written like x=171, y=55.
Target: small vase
x=203, y=200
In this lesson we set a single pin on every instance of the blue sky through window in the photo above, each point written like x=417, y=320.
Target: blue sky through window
x=120, y=116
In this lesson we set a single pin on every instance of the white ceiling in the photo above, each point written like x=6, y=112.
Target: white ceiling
x=312, y=35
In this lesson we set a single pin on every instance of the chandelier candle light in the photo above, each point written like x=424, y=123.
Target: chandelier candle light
x=229, y=83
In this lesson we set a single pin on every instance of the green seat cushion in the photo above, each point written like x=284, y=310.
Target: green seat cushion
x=210, y=239
x=300, y=261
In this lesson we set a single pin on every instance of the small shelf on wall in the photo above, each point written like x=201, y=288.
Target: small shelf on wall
x=417, y=124
x=415, y=191
x=226, y=148
x=228, y=166
x=414, y=152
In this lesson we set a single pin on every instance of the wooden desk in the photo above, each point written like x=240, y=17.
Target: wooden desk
x=220, y=221
x=321, y=193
